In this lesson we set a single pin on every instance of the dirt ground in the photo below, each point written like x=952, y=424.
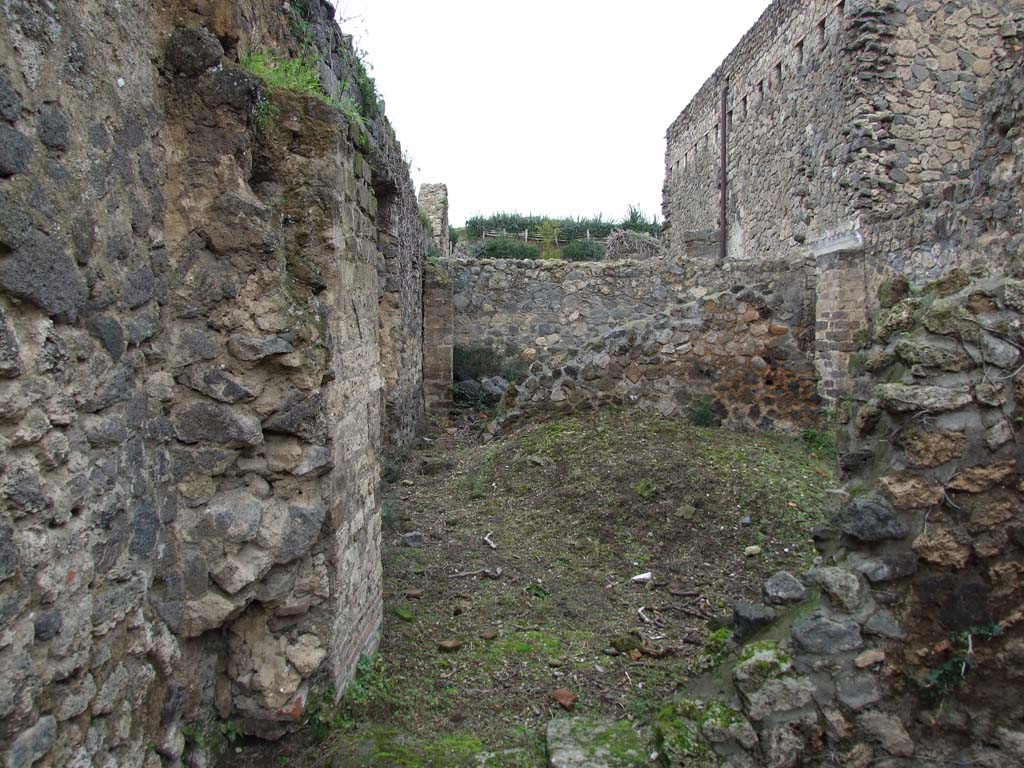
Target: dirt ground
x=511, y=570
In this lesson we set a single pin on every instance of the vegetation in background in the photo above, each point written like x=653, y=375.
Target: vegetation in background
x=570, y=229
x=549, y=232
x=506, y=248
x=583, y=250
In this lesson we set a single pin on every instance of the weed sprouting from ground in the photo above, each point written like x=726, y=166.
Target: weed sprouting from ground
x=821, y=443
x=701, y=415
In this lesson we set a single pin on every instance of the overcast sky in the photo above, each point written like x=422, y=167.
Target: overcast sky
x=557, y=107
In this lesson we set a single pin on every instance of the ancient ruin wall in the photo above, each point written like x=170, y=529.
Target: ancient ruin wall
x=725, y=356
x=433, y=202
x=552, y=306
x=787, y=122
x=209, y=323
x=842, y=116
x=903, y=644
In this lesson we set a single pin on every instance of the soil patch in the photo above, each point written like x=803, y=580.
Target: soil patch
x=518, y=568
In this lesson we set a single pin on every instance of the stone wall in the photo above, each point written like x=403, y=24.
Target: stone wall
x=903, y=645
x=210, y=325
x=786, y=121
x=438, y=335
x=726, y=355
x=552, y=306
x=891, y=119
x=434, y=204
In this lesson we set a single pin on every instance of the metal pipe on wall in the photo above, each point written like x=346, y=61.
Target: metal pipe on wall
x=723, y=177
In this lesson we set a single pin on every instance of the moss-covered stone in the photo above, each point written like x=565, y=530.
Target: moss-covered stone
x=878, y=359
x=893, y=290
x=1014, y=294
x=949, y=317
x=585, y=741
x=899, y=318
x=760, y=662
x=932, y=354
x=678, y=737
x=953, y=281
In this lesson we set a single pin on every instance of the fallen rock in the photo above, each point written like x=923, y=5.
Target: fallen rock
x=594, y=743
x=565, y=698
x=414, y=539
x=752, y=551
x=449, y=646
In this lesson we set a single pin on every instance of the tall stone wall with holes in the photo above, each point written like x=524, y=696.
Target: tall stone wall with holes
x=904, y=644
x=546, y=307
x=787, y=118
x=881, y=117
x=728, y=354
x=210, y=327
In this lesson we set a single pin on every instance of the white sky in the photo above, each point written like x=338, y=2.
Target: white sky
x=557, y=107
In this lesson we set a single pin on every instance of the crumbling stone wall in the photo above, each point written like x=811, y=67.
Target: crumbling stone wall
x=434, y=204
x=548, y=306
x=209, y=300
x=725, y=355
x=903, y=644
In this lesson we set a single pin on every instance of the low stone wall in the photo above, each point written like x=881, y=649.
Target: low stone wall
x=553, y=306
x=726, y=355
x=904, y=644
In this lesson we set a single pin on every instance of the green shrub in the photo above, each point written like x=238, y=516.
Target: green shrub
x=506, y=248
x=583, y=250
x=478, y=362
x=701, y=415
x=299, y=75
